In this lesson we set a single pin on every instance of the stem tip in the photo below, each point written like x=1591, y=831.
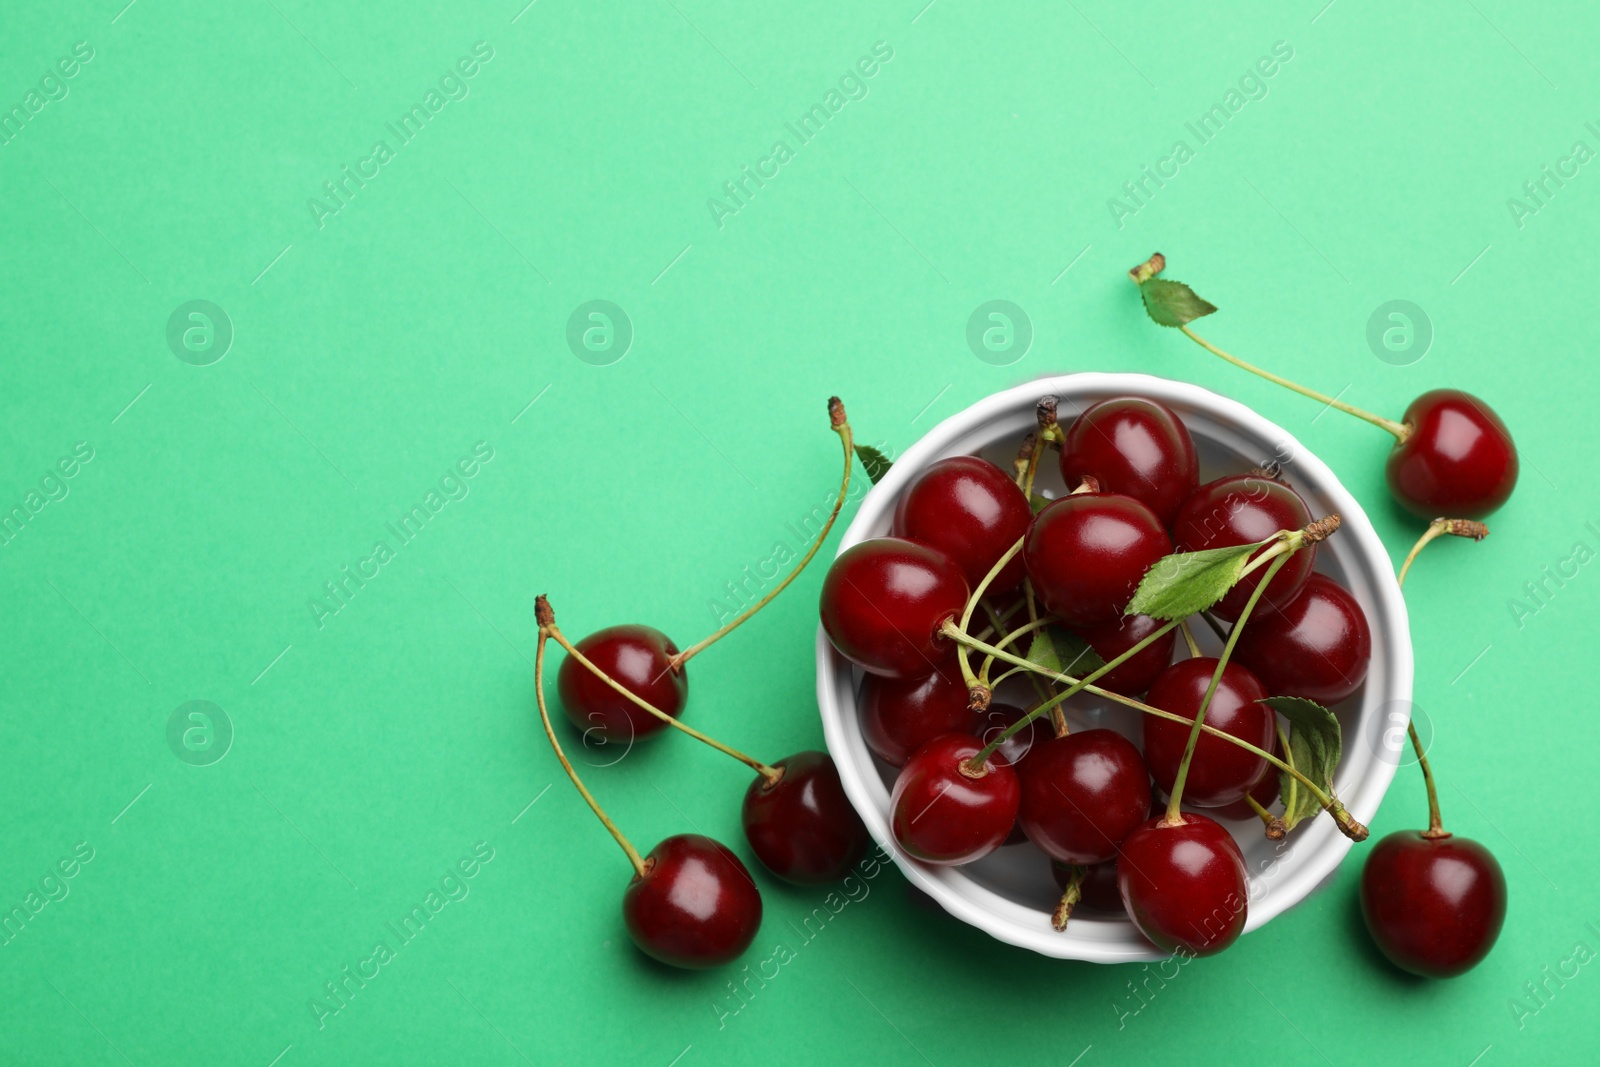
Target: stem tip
x=1148, y=269
x=836, y=411
x=1321, y=529
x=1464, y=528
x=542, y=613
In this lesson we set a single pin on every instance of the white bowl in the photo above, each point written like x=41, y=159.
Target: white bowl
x=1009, y=894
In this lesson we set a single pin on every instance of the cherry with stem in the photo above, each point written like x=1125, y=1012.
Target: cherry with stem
x=1433, y=902
x=1451, y=452
x=691, y=903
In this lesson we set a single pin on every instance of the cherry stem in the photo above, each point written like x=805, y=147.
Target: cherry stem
x=1027, y=463
x=1069, y=898
x=1289, y=541
x=998, y=625
x=1347, y=823
x=1400, y=430
x=1174, y=813
x=1274, y=825
x=1437, y=528
x=544, y=715
x=1188, y=639
x=772, y=775
x=972, y=603
x=842, y=428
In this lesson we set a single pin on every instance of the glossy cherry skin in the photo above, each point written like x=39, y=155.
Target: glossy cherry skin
x=1458, y=461
x=900, y=715
x=1240, y=510
x=1220, y=772
x=1135, y=447
x=1086, y=553
x=1184, y=886
x=1112, y=639
x=1082, y=794
x=1098, y=890
x=883, y=601
x=971, y=511
x=695, y=906
x=1434, y=906
x=1264, y=792
x=804, y=829
x=637, y=657
x=940, y=815
x=1316, y=646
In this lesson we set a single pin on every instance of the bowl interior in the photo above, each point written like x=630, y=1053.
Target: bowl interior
x=1010, y=893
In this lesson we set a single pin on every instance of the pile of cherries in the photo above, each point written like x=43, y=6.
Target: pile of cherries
x=1090, y=800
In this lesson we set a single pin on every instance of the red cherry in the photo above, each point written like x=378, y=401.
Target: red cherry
x=695, y=905
x=1316, y=646
x=1098, y=890
x=1433, y=905
x=971, y=511
x=1184, y=886
x=1220, y=772
x=637, y=657
x=941, y=814
x=883, y=601
x=1112, y=639
x=1240, y=510
x=900, y=715
x=1458, y=459
x=803, y=829
x=1082, y=794
x=1135, y=447
x=1264, y=792
x=1087, y=552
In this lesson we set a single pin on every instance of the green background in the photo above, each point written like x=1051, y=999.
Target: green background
x=374, y=351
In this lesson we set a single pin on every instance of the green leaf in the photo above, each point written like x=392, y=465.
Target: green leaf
x=1184, y=583
x=876, y=463
x=1172, y=303
x=1039, y=503
x=1064, y=652
x=1316, y=744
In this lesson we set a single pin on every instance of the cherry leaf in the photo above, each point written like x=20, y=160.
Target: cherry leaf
x=876, y=463
x=1039, y=503
x=1064, y=652
x=1172, y=303
x=1316, y=744
x=1185, y=583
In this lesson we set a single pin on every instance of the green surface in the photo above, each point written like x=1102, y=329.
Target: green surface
x=377, y=346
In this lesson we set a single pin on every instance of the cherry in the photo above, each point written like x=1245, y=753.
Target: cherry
x=1316, y=646
x=1082, y=794
x=1086, y=553
x=803, y=828
x=1434, y=904
x=971, y=511
x=900, y=715
x=637, y=657
x=694, y=904
x=945, y=813
x=1242, y=509
x=1184, y=884
x=1135, y=447
x=883, y=601
x=1455, y=459
x=1220, y=773
x=1112, y=639
x=1264, y=792
x=1098, y=889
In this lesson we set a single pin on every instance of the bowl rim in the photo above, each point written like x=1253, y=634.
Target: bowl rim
x=1325, y=845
